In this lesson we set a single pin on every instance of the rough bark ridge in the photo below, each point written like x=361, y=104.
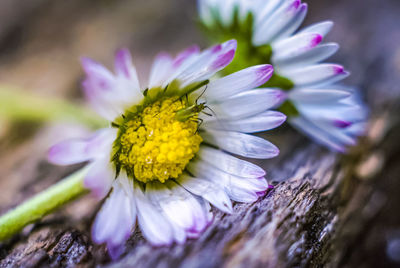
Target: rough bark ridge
x=325, y=209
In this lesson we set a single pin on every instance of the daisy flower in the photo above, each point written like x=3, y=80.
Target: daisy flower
x=267, y=32
x=169, y=151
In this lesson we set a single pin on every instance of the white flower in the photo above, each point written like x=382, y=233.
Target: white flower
x=168, y=153
x=332, y=115
x=327, y=112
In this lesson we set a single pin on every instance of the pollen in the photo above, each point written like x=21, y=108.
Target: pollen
x=154, y=145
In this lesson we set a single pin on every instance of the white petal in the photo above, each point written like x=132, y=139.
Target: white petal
x=229, y=163
x=256, y=123
x=322, y=28
x=178, y=205
x=226, y=11
x=102, y=107
x=207, y=211
x=315, y=75
x=98, y=73
x=264, y=9
x=125, y=68
x=210, y=191
x=274, y=24
x=295, y=45
x=157, y=195
x=109, y=94
x=247, y=103
x=240, y=81
x=179, y=234
x=332, y=111
x=206, y=64
x=241, y=144
x=114, y=222
x=155, y=228
x=80, y=150
x=186, y=57
x=303, y=58
x=196, y=209
x=319, y=135
x=317, y=96
x=160, y=70
x=357, y=129
x=204, y=8
x=294, y=24
x=100, y=177
x=239, y=189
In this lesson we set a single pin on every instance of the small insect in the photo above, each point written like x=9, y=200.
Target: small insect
x=189, y=112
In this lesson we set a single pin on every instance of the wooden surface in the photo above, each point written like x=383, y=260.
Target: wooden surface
x=326, y=209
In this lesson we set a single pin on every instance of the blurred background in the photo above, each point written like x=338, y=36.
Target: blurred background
x=41, y=42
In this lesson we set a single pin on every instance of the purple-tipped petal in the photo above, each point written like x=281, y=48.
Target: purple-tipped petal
x=316, y=75
x=295, y=46
x=238, y=82
x=248, y=103
x=320, y=135
x=275, y=25
x=294, y=6
x=294, y=23
x=223, y=60
x=261, y=194
x=230, y=164
x=80, y=150
x=322, y=28
x=110, y=94
x=256, y=123
x=125, y=68
x=308, y=57
x=241, y=144
x=94, y=69
x=184, y=55
x=342, y=123
x=201, y=66
x=123, y=63
x=270, y=187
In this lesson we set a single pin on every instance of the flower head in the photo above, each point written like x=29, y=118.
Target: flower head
x=267, y=31
x=169, y=151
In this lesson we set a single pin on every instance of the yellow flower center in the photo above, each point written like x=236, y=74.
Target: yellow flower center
x=154, y=145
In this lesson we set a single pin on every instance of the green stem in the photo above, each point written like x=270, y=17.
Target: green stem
x=42, y=204
x=16, y=104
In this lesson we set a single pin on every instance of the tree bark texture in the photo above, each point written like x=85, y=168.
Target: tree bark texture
x=326, y=210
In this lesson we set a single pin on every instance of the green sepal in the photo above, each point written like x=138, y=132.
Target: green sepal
x=279, y=81
x=289, y=109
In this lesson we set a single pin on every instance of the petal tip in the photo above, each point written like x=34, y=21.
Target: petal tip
x=224, y=59
x=87, y=63
x=342, y=123
x=294, y=6
x=264, y=72
x=316, y=40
